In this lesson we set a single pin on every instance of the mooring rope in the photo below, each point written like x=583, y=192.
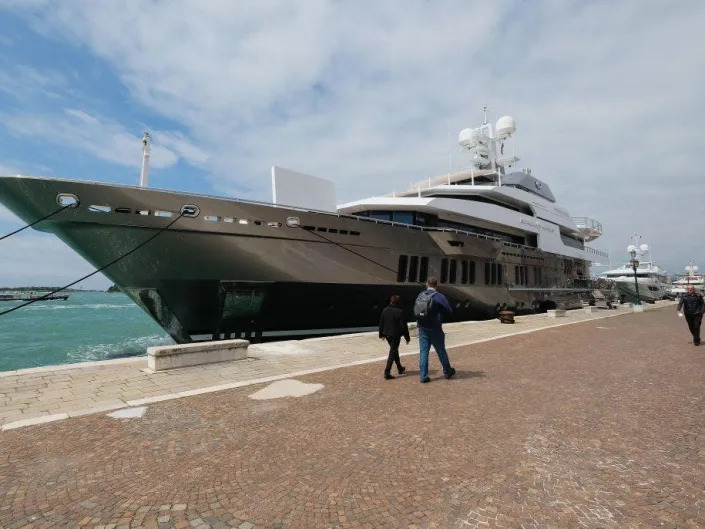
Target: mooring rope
x=35, y=222
x=45, y=296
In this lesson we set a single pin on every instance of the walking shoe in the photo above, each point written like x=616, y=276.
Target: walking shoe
x=452, y=372
x=388, y=376
x=401, y=370
x=424, y=380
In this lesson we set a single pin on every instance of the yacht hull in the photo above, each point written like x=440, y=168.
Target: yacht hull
x=247, y=269
x=648, y=291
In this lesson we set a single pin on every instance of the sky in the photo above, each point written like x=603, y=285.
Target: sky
x=607, y=97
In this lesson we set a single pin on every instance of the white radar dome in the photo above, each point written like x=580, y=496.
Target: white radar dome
x=505, y=127
x=631, y=248
x=470, y=138
x=644, y=247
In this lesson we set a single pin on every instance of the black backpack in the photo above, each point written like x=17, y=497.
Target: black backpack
x=423, y=307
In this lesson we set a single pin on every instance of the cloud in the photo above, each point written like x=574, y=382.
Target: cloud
x=21, y=267
x=101, y=137
x=607, y=96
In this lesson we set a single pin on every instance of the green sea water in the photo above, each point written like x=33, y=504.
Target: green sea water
x=88, y=326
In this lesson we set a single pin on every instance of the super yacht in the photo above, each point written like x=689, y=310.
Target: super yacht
x=220, y=268
x=690, y=278
x=652, y=279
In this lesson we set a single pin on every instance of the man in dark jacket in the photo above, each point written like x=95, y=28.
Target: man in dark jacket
x=392, y=326
x=431, y=329
x=692, y=306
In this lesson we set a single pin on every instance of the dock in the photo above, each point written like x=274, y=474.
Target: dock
x=595, y=419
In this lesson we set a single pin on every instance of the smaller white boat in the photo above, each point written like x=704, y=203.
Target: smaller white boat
x=690, y=278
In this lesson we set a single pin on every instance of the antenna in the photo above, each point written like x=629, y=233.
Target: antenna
x=146, y=150
x=484, y=115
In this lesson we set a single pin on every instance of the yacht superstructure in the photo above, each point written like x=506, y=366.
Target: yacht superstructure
x=220, y=268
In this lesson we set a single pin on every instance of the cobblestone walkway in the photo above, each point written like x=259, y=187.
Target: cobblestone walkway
x=52, y=393
x=596, y=425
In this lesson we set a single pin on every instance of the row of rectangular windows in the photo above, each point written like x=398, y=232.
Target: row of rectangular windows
x=415, y=269
x=215, y=218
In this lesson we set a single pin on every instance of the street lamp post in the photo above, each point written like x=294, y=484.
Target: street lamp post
x=634, y=262
x=691, y=270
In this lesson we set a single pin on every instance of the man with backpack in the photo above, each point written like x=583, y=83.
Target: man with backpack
x=428, y=309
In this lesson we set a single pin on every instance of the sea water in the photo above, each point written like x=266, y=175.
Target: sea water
x=88, y=326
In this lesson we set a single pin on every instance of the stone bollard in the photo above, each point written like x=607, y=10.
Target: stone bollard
x=506, y=316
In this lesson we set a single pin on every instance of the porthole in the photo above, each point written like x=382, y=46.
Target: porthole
x=243, y=221
x=67, y=200
x=123, y=210
x=293, y=222
x=211, y=218
x=166, y=214
x=229, y=220
x=190, y=210
x=142, y=212
x=274, y=224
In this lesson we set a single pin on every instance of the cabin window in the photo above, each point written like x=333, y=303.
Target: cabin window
x=472, y=272
x=488, y=274
x=354, y=232
x=123, y=210
x=453, y=271
x=332, y=230
x=413, y=268
x=343, y=232
x=402, y=267
x=423, y=270
x=444, y=270
x=464, y=272
x=212, y=218
x=99, y=209
x=166, y=214
x=405, y=217
x=537, y=276
x=381, y=215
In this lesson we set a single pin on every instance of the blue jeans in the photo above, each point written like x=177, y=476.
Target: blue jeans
x=437, y=339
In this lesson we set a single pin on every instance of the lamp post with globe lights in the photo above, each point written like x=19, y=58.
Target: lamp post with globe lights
x=691, y=270
x=634, y=262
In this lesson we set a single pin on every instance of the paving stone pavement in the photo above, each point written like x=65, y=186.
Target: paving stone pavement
x=57, y=392
x=594, y=425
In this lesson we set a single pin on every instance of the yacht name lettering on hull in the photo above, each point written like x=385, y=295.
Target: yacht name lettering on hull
x=537, y=226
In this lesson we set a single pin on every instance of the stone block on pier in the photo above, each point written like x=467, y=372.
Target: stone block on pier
x=166, y=357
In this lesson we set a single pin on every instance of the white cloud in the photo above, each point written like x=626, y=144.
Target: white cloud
x=607, y=96
x=101, y=137
x=26, y=257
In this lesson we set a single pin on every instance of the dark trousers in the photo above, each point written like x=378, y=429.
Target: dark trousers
x=393, y=357
x=694, y=321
